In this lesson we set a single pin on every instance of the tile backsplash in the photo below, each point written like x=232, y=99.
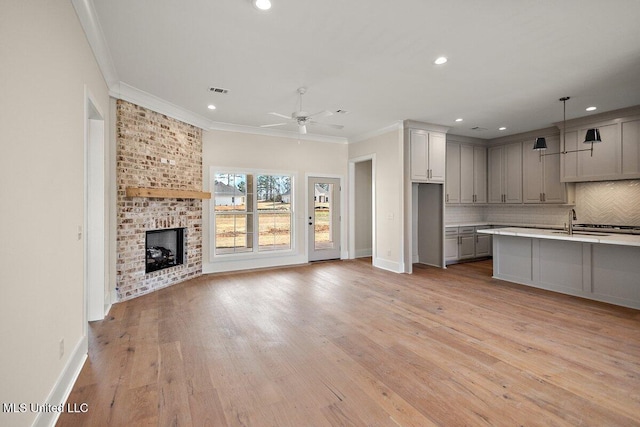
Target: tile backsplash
x=609, y=202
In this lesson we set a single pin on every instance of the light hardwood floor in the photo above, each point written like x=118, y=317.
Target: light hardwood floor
x=342, y=343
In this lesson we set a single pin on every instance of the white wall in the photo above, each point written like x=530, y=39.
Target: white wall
x=46, y=62
x=389, y=189
x=237, y=151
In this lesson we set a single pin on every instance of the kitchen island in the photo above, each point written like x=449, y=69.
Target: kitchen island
x=599, y=266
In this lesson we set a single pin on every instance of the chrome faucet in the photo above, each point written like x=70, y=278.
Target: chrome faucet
x=572, y=217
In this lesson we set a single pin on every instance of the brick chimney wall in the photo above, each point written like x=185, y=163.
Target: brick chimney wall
x=144, y=139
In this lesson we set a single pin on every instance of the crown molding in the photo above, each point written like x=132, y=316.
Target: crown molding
x=93, y=31
x=144, y=99
x=525, y=136
x=425, y=126
x=595, y=119
x=372, y=134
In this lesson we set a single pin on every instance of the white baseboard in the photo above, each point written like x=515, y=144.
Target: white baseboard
x=388, y=265
x=361, y=253
x=63, y=386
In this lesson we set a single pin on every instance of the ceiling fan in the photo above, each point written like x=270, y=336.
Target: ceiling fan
x=302, y=118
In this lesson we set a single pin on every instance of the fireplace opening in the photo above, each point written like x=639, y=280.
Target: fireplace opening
x=164, y=249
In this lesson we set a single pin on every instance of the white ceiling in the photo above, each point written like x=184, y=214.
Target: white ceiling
x=509, y=61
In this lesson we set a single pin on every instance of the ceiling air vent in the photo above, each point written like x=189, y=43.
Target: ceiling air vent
x=218, y=90
x=478, y=128
x=342, y=112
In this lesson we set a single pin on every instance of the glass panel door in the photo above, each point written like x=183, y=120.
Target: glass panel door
x=324, y=218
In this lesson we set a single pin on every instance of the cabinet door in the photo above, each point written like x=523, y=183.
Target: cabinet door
x=452, y=182
x=569, y=161
x=466, y=174
x=512, y=179
x=532, y=172
x=467, y=246
x=631, y=148
x=495, y=174
x=451, y=248
x=483, y=245
x=419, y=167
x=480, y=174
x=437, y=153
x=553, y=190
x=606, y=161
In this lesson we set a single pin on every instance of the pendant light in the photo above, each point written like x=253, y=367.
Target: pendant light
x=592, y=136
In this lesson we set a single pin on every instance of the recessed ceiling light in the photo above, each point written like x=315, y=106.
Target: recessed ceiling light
x=458, y=120
x=211, y=107
x=262, y=4
x=502, y=128
x=440, y=60
x=591, y=108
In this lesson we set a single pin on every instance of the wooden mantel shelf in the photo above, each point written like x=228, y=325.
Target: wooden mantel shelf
x=166, y=193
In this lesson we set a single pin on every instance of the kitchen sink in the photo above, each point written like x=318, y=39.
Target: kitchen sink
x=582, y=233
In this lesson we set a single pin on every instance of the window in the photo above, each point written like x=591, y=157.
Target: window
x=244, y=202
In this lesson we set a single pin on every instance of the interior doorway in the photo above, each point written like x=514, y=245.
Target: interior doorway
x=96, y=292
x=362, y=229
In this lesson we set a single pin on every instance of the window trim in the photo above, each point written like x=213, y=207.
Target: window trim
x=255, y=252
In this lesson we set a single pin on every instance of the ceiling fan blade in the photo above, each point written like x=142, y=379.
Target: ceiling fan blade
x=324, y=113
x=328, y=125
x=281, y=115
x=275, y=124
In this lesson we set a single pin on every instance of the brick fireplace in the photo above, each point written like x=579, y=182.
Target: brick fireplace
x=158, y=152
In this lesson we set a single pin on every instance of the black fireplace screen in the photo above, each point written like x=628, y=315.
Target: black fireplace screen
x=164, y=249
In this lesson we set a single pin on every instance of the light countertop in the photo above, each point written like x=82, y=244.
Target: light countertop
x=578, y=236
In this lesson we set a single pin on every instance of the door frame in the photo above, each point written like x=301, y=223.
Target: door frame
x=96, y=301
x=352, y=204
x=344, y=253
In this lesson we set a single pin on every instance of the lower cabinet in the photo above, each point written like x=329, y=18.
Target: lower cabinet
x=483, y=245
x=463, y=243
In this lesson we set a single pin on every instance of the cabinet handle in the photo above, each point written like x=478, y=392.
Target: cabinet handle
x=540, y=196
x=446, y=199
x=544, y=197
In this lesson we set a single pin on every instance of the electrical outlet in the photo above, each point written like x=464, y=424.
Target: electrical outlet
x=61, y=349
x=172, y=162
x=163, y=160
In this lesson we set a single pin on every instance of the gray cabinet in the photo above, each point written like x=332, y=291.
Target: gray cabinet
x=464, y=243
x=616, y=157
x=452, y=181
x=428, y=156
x=505, y=173
x=541, y=174
x=466, y=174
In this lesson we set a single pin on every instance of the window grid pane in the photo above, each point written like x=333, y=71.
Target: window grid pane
x=234, y=208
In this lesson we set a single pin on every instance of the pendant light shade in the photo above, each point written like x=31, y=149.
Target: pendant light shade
x=541, y=144
x=593, y=135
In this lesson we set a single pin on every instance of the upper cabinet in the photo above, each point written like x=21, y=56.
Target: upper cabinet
x=630, y=148
x=505, y=173
x=541, y=174
x=428, y=155
x=452, y=181
x=616, y=157
x=466, y=173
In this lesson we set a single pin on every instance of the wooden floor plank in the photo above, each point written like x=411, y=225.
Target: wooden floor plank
x=344, y=343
